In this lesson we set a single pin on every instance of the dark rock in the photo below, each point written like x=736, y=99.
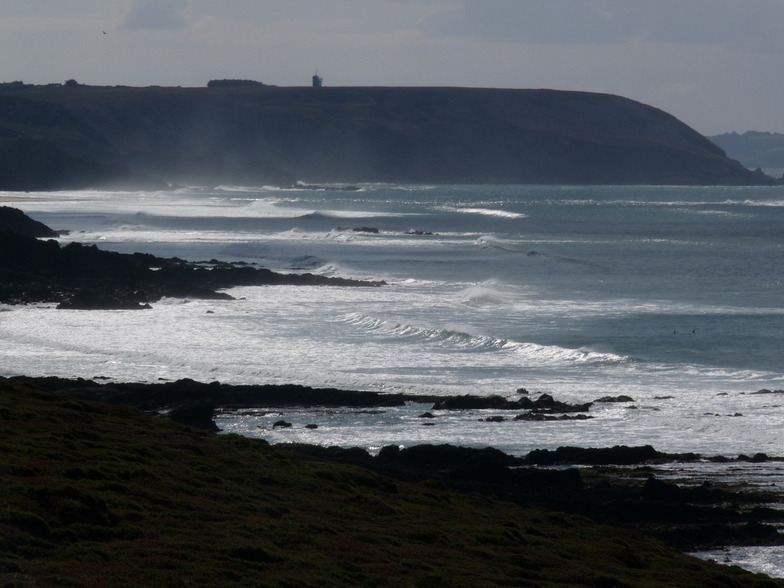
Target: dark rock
x=282, y=424
x=195, y=415
x=16, y=221
x=689, y=516
x=85, y=277
x=427, y=415
x=756, y=458
x=167, y=394
x=446, y=456
x=618, y=455
x=538, y=416
x=311, y=426
x=546, y=403
x=621, y=398
x=656, y=490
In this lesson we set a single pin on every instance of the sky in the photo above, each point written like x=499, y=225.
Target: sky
x=717, y=65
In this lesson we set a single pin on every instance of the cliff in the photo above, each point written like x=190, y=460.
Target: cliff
x=85, y=136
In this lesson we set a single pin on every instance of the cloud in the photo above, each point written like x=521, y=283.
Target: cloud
x=154, y=15
x=753, y=25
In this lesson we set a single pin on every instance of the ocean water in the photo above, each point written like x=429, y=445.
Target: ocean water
x=673, y=296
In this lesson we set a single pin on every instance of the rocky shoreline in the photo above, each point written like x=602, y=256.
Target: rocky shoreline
x=619, y=485
x=99, y=494
x=83, y=277
x=614, y=485
x=632, y=487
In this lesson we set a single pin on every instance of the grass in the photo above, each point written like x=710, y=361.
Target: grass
x=100, y=495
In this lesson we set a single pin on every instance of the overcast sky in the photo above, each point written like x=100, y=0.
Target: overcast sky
x=718, y=65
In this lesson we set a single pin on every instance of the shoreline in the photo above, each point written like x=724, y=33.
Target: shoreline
x=653, y=492
x=623, y=486
x=105, y=492
x=83, y=277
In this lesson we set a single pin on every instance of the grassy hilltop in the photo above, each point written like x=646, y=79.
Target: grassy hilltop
x=72, y=136
x=103, y=495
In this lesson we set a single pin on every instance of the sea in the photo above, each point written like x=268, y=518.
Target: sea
x=671, y=296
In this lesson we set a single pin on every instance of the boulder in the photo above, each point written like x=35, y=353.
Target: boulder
x=546, y=403
x=446, y=456
x=621, y=398
x=618, y=455
x=195, y=415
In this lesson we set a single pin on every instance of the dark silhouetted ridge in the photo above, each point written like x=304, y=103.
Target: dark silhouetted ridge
x=83, y=136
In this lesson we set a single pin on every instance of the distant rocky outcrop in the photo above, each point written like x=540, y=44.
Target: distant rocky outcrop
x=75, y=136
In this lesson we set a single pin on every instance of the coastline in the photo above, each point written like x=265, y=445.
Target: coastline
x=626, y=484
x=663, y=495
x=82, y=277
x=108, y=495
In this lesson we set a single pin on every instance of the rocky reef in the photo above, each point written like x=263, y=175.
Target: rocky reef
x=617, y=485
x=614, y=485
x=77, y=276
x=103, y=495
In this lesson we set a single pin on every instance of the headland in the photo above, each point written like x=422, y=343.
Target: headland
x=73, y=136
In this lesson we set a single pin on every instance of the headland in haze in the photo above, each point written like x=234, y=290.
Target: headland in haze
x=72, y=136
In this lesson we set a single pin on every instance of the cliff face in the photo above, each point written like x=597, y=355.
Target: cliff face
x=88, y=136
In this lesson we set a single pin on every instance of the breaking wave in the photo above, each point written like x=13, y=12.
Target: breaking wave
x=463, y=341
x=484, y=212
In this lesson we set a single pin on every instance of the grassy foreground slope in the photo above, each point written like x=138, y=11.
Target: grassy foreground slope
x=100, y=495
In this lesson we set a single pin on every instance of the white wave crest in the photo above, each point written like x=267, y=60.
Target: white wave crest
x=484, y=211
x=487, y=293
x=494, y=243
x=229, y=188
x=464, y=341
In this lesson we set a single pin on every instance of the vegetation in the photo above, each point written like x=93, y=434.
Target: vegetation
x=103, y=495
x=76, y=136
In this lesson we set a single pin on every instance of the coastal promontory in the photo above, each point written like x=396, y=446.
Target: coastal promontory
x=74, y=136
